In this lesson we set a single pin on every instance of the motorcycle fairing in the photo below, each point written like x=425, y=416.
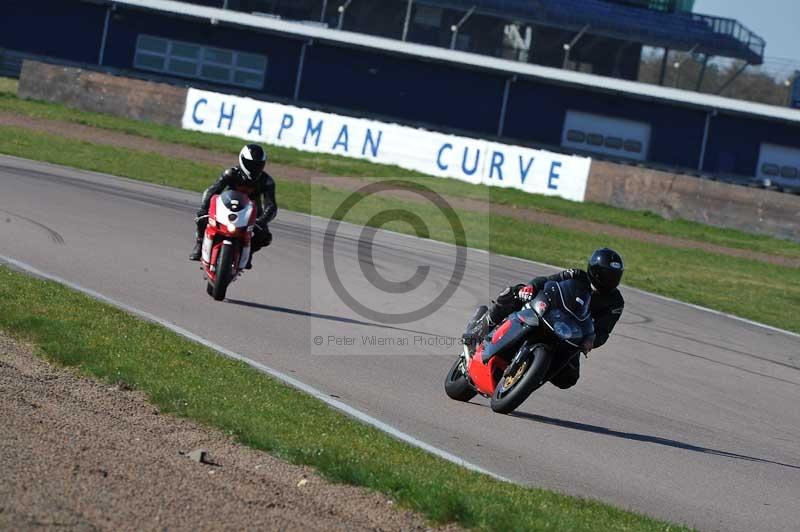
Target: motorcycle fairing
x=484, y=367
x=509, y=334
x=231, y=216
x=484, y=376
x=564, y=308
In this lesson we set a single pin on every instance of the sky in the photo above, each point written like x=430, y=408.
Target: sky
x=776, y=21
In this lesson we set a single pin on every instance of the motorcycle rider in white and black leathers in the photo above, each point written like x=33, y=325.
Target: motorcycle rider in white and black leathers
x=602, y=277
x=251, y=179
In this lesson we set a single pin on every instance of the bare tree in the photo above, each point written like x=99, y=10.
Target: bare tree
x=769, y=83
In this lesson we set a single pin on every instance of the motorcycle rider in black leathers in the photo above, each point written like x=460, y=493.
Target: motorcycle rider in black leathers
x=601, y=278
x=251, y=179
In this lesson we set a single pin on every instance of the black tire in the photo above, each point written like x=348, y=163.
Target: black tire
x=506, y=401
x=456, y=384
x=224, y=271
x=209, y=288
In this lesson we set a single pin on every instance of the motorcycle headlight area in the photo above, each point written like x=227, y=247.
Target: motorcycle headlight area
x=563, y=330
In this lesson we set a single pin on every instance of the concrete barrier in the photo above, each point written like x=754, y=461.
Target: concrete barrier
x=102, y=93
x=629, y=187
x=691, y=198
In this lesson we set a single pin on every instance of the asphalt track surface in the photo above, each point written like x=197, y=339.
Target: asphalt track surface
x=684, y=415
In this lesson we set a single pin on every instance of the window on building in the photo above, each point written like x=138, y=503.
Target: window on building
x=428, y=16
x=633, y=146
x=574, y=135
x=201, y=62
x=594, y=139
x=770, y=169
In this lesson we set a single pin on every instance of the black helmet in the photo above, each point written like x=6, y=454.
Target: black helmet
x=252, y=160
x=605, y=269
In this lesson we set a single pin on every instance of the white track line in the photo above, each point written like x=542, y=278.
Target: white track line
x=322, y=396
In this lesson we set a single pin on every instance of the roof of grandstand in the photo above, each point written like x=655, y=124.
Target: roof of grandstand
x=680, y=31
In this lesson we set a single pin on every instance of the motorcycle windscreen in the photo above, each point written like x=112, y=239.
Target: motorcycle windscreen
x=234, y=201
x=566, y=310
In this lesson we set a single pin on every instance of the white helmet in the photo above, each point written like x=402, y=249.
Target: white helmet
x=252, y=160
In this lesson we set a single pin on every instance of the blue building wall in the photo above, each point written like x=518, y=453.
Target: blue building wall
x=402, y=88
x=66, y=30
x=536, y=112
x=734, y=142
x=366, y=82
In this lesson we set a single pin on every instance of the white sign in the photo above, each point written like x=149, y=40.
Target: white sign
x=437, y=154
x=780, y=165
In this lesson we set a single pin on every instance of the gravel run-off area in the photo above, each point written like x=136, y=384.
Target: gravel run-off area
x=77, y=454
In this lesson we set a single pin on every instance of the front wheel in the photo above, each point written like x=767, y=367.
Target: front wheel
x=224, y=272
x=456, y=384
x=517, y=385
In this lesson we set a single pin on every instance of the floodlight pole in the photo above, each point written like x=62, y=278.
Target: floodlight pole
x=457, y=26
x=679, y=64
x=408, y=19
x=106, y=22
x=342, y=9
x=568, y=46
x=322, y=13
x=733, y=78
x=300, y=66
x=504, y=105
x=704, y=144
x=702, y=73
x=790, y=81
x=663, y=71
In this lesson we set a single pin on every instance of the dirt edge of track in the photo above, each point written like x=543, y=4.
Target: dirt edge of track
x=84, y=455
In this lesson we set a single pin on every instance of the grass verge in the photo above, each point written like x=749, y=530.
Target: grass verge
x=189, y=380
x=747, y=288
x=337, y=165
x=8, y=86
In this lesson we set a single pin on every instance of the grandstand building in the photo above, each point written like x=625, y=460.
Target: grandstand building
x=603, y=37
x=513, y=97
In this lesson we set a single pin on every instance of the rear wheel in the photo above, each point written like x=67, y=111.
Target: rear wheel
x=223, y=273
x=456, y=384
x=522, y=380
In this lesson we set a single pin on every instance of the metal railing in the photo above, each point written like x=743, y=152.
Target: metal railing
x=716, y=35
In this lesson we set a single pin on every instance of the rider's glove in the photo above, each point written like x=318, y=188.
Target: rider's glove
x=526, y=293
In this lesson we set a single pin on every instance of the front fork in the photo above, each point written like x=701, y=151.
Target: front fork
x=208, y=245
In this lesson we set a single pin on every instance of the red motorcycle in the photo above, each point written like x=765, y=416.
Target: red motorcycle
x=226, y=243
x=526, y=350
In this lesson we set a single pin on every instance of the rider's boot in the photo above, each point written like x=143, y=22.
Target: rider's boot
x=197, y=250
x=199, y=231
x=477, y=327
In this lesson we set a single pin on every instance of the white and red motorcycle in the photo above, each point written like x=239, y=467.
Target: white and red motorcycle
x=226, y=243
